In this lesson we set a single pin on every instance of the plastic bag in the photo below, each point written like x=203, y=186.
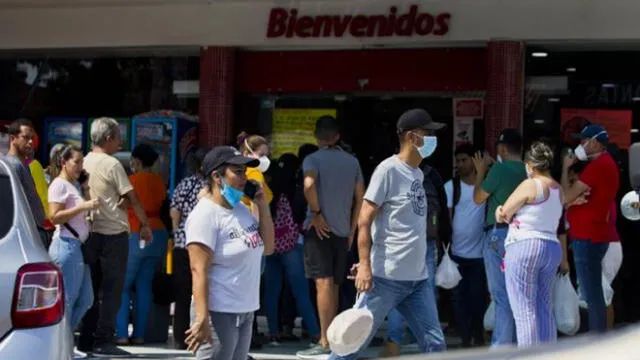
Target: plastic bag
x=490, y=317
x=447, y=274
x=565, y=306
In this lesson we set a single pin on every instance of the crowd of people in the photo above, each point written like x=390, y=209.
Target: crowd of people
x=290, y=231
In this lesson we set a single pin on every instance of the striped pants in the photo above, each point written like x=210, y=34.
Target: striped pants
x=530, y=269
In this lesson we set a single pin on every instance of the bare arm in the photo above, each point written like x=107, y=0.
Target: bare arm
x=267, y=231
x=368, y=213
x=524, y=193
x=358, y=198
x=200, y=259
x=176, y=216
x=479, y=195
x=59, y=215
x=311, y=191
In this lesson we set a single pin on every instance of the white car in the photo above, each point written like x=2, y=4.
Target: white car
x=33, y=324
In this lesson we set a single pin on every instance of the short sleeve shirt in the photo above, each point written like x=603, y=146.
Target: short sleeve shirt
x=592, y=221
x=233, y=237
x=337, y=173
x=467, y=222
x=109, y=182
x=185, y=198
x=63, y=192
x=399, y=231
x=502, y=180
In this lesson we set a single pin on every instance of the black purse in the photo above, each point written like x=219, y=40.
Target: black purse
x=83, y=246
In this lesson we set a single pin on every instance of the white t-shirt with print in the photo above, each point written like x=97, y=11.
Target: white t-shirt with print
x=233, y=236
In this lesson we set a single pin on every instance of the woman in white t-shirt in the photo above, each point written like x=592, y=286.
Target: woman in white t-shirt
x=68, y=210
x=226, y=241
x=532, y=250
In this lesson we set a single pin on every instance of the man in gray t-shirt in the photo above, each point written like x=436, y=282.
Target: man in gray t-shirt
x=333, y=188
x=392, y=238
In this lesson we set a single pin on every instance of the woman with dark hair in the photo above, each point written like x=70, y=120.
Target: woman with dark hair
x=185, y=198
x=226, y=242
x=533, y=252
x=288, y=257
x=143, y=260
x=68, y=210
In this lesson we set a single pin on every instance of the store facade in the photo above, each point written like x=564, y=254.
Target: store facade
x=263, y=55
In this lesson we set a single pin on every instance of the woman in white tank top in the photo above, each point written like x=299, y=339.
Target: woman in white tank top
x=532, y=250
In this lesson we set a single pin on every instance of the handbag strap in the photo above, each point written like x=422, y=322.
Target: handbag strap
x=71, y=230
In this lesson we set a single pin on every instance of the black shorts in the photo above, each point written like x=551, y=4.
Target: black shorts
x=325, y=258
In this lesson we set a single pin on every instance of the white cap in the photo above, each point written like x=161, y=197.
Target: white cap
x=626, y=206
x=349, y=331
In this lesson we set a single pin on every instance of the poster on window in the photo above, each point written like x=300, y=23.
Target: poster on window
x=292, y=128
x=465, y=111
x=618, y=124
x=462, y=131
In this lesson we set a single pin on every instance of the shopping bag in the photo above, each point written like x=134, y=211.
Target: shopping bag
x=565, y=306
x=350, y=329
x=447, y=274
x=490, y=317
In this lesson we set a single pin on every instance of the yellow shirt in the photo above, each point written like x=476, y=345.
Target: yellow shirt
x=255, y=175
x=37, y=173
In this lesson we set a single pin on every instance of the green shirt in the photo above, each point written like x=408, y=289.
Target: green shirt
x=502, y=180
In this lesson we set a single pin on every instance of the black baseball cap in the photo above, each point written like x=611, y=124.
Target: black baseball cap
x=327, y=124
x=225, y=155
x=417, y=119
x=510, y=137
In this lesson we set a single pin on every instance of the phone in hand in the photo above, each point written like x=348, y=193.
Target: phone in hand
x=250, y=189
x=83, y=178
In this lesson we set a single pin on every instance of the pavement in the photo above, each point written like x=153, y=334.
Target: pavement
x=285, y=351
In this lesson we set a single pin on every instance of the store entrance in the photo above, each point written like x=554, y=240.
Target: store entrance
x=368, y=122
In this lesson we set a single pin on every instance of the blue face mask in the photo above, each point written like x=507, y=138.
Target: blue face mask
x=231, y=194
x=430, y=143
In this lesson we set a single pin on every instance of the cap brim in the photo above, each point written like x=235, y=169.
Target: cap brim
x=435, y=126
x=243, y=160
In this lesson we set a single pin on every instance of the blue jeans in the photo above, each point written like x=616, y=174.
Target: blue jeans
x=504, y=332
x=289, y=264
x=415, y=301
x=588, y=257
x=470, y=300
x=141, y=268
x=78, y=290
x=395, y=321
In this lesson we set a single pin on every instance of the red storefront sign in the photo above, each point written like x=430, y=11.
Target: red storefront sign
x=287, y=23
x=468, y=108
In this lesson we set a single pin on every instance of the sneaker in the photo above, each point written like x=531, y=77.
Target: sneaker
x=274, y=341
x=109, y=351
x=77, y=354
x=317, y=352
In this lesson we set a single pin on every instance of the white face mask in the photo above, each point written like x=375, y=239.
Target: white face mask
x=529, y=171
x=264, y=164
x=499, y=158
x=581, y=152
x=264, y=161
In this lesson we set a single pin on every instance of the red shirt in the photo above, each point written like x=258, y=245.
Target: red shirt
x=593, y=220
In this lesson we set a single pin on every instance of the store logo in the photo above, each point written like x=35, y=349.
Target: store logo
x=287, y=23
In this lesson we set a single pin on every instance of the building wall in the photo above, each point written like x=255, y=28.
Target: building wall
x=36, y=24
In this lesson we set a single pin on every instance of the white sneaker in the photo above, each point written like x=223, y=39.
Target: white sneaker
x=77, y=354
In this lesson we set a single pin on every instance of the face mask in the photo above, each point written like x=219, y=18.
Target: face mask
x=430, y=143
x=580, y=153
x=231, y=194
x=499, y=158
x=264, y=164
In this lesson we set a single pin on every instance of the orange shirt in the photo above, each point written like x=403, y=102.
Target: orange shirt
x=151, y=192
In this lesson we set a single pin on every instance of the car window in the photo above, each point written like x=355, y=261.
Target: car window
x=6, y=199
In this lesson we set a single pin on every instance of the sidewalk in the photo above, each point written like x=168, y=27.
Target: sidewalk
x=286, y=351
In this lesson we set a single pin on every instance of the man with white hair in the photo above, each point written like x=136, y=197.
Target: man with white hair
x=107, y=249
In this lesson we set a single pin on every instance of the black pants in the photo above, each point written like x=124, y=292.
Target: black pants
x=182, y=286
x=470, y=300
x=107, y=256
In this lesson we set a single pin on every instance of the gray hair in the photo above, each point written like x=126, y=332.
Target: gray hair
x=540, y=156
x=102, y=129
